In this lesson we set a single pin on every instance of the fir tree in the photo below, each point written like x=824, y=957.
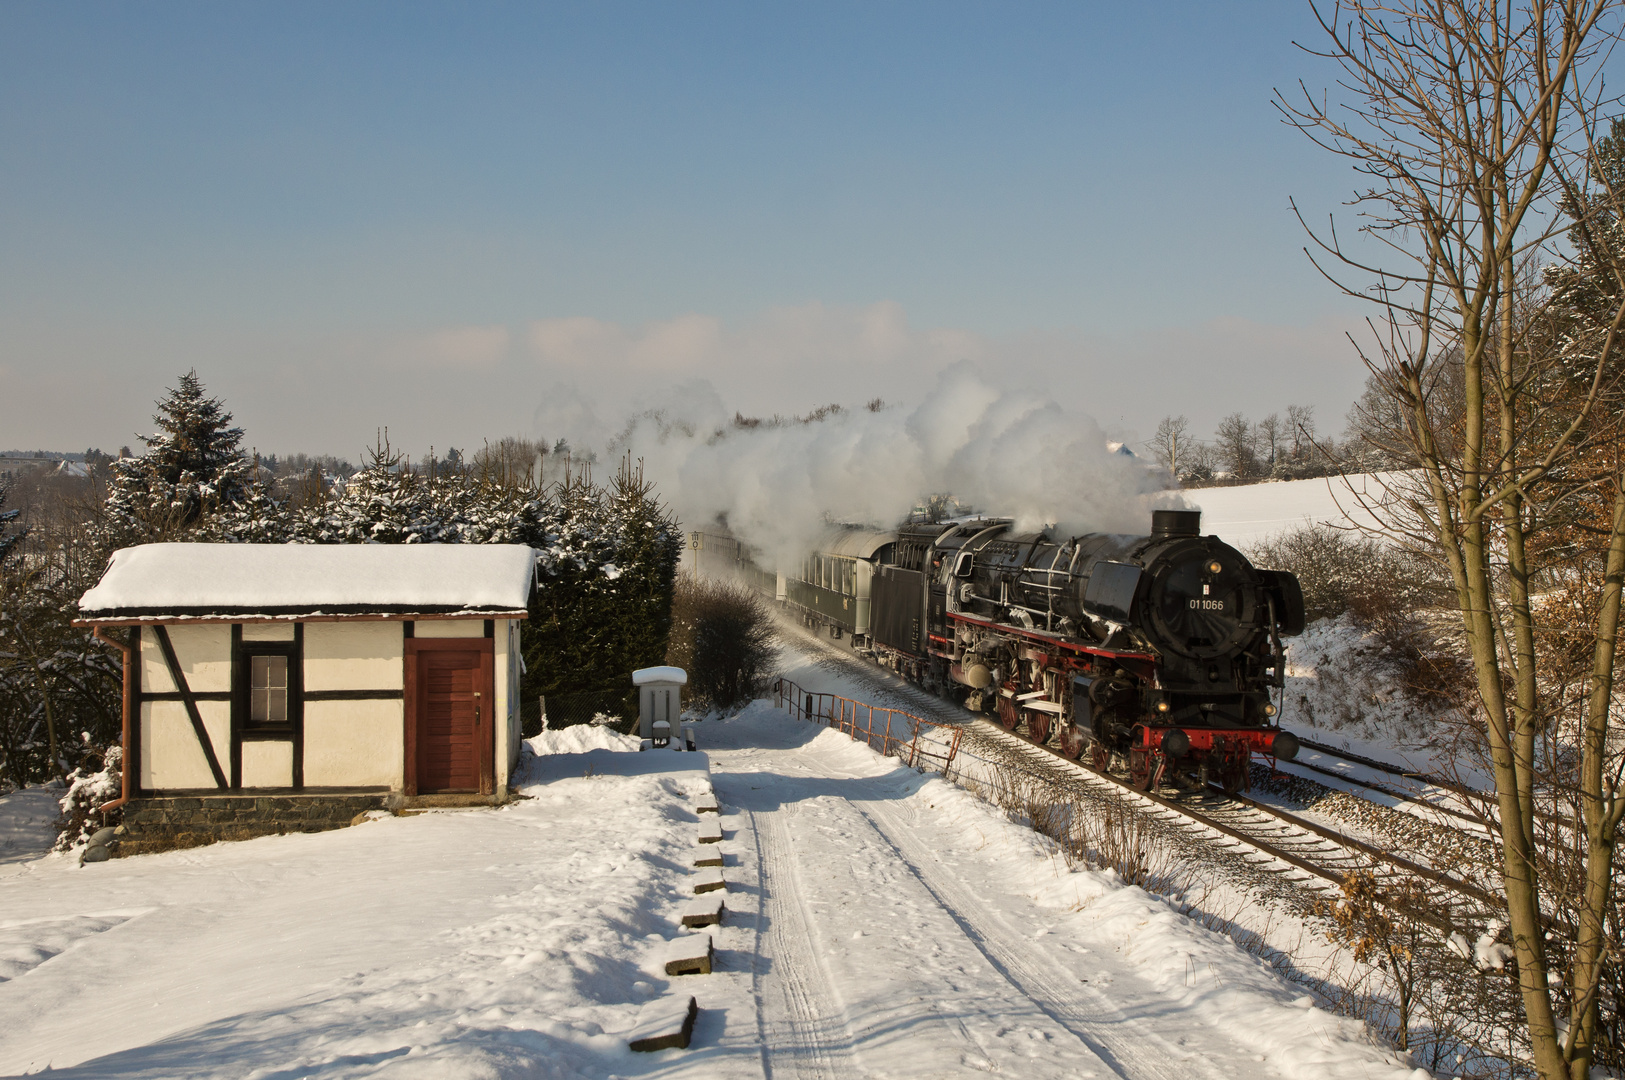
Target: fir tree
x=194, y=436
x=193, y=465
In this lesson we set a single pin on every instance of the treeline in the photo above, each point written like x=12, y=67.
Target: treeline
x=1242, y=451
x=607, y=555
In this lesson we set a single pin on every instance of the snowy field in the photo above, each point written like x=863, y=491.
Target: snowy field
x=882, y=923
x=1244, y=515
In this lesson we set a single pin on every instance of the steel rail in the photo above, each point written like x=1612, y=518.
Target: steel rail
x=1473, y=795
x=1287, y=818
x=1378, y=786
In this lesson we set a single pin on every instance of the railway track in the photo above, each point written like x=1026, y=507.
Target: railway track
x=1321, y=852
x=1414, y=797
x=1268, y=840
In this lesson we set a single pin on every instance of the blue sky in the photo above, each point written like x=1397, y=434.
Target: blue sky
x=464, y=221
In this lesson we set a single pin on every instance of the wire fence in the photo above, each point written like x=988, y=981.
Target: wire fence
x=579, y=707
x=913, y=740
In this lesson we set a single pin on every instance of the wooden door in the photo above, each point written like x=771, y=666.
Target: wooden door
x=451, y=729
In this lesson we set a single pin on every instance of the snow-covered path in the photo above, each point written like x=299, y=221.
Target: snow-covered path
x=882, y=924
x=909, y=930
x=884, y=951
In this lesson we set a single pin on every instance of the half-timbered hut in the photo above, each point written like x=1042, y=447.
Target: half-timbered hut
x=283, y=687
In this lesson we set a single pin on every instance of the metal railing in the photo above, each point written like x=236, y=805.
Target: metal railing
x=891, y=732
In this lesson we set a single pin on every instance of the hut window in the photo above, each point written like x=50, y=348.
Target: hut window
x=268, y=690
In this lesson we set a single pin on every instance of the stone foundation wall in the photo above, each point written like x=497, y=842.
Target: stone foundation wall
x=164, y=823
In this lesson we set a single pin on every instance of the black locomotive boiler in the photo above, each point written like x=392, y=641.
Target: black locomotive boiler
x=1157, y=656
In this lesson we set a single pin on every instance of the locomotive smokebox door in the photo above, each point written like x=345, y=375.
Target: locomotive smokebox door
x=659, y=698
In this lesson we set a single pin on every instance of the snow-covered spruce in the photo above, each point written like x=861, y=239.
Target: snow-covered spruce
x=93, y=785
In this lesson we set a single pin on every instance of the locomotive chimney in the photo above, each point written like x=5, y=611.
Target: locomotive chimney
x=1166, y=523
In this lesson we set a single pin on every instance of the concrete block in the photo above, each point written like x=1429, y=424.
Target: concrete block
x=666, y=1023
x=703, y=910
x=689, y=954
x=708, y=879
x=710, y=831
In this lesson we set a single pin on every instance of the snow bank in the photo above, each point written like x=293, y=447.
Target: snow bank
x=1338, y=679
x=247, y=578
x=578, y=739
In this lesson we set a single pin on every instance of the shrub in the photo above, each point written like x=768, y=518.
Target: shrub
x=1341, y=570
x=96, y=782
x=723, y=637
x=1383, y=588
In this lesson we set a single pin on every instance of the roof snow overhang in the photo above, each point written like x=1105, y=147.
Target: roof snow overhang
x=310, y=583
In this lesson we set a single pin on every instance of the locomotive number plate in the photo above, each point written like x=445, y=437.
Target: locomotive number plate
x=1204, y=603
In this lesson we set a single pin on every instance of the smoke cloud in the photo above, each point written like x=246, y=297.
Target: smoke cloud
x=777, y=485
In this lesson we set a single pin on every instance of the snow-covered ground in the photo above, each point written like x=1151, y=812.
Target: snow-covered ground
x=883, y=923
x=1249, y=513
x=27, y=820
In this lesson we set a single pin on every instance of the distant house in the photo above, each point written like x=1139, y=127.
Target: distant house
x=303, y=683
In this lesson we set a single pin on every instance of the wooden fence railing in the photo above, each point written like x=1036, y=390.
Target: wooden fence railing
x=891, y=732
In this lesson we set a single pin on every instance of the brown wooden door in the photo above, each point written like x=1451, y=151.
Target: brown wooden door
x=450, y=738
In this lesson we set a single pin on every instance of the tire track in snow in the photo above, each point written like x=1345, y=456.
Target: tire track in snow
x=1083, y=1012
x=810, y=1034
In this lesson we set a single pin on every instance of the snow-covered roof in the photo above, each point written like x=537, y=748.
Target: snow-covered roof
x=156, y=580
x=645, y=676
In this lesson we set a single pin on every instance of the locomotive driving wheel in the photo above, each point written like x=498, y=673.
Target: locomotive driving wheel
x=1073, y=741
x=1100, y=756
x=1038, y=727
x=1009, y=718
x=1139, y=769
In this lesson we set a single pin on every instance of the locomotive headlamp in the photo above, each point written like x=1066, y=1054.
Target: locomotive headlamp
x=1162, y=706
x=1269, y=709
x=1214, y=567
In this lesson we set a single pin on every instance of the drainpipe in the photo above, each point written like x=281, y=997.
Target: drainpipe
x=124, y=759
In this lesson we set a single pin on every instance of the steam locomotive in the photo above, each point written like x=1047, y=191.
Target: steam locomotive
x=1156, y=656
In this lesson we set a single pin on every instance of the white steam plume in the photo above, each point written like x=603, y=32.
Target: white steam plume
x=1008, y=454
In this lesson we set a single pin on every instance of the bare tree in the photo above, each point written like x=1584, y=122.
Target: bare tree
x=1267, y=436
x=1300, y=423
x=1233, y=443
x=1169, y=445
x=1472, y=123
